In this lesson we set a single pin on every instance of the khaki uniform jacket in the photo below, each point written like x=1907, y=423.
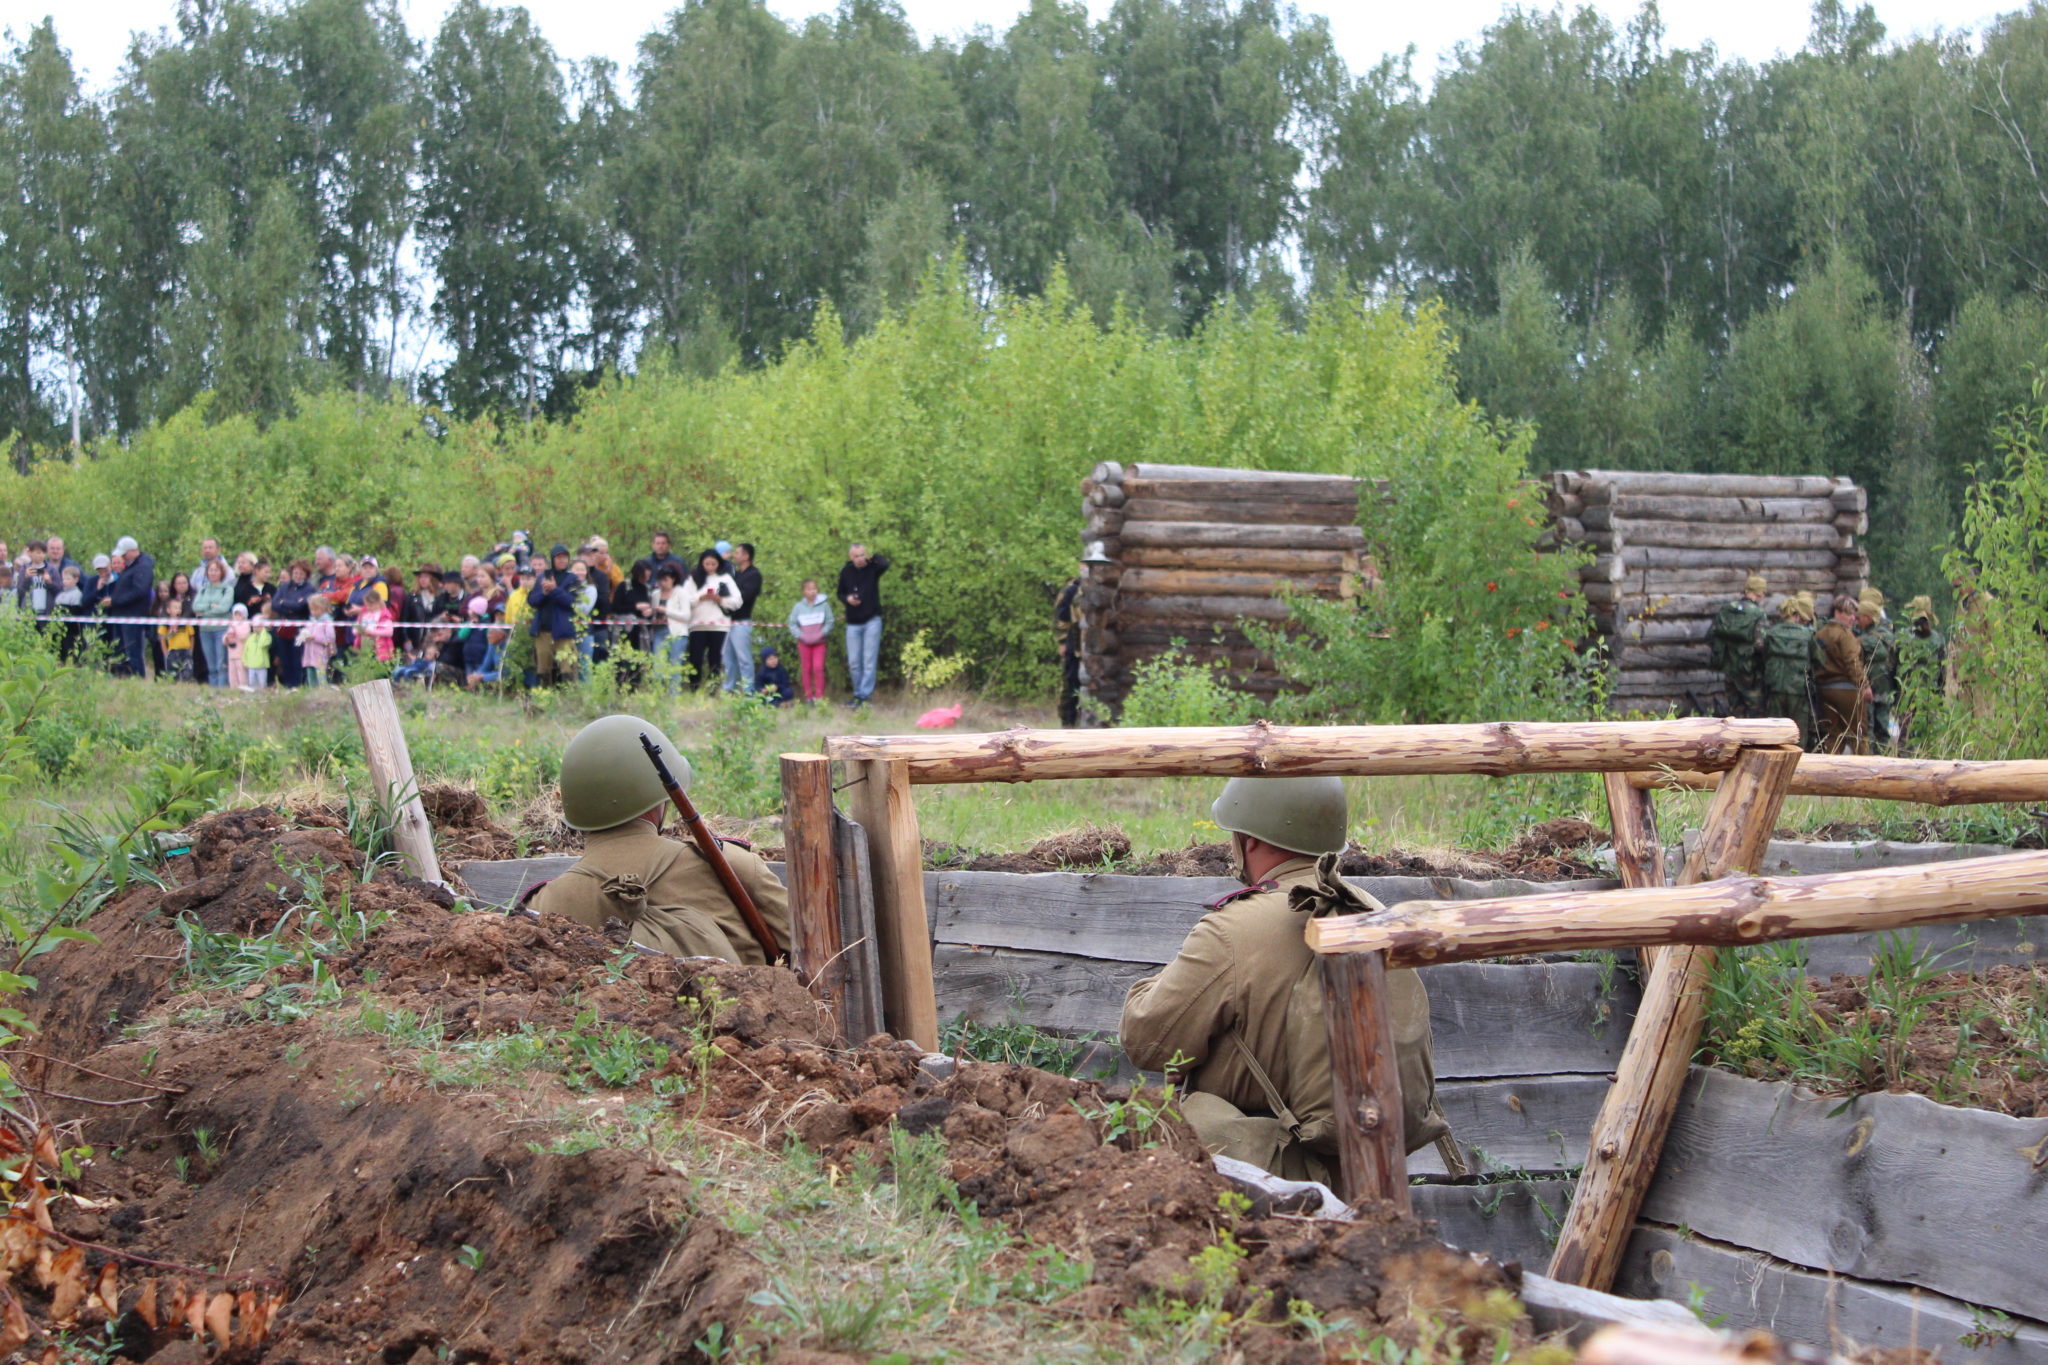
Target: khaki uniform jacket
x=1246, y=965
x=1837, y=656
x=667, y=894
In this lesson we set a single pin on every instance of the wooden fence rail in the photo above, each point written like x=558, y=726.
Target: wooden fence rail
x=1926, y=782
x=1730, y=912
x=1492, y=750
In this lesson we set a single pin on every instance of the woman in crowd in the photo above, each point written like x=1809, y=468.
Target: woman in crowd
x=711, y=596
x=289, y=607
x=212, y=603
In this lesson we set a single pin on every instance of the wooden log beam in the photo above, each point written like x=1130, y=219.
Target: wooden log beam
x=1249, y=485
x=1632, y=818
x=1243, y=510
x=1628, y=1137
x=1926, y=782
x=1286, y=478
x=1244, y=561
x=1763, y=561
x=1166, y=607
x=1215, y=583
x=1740, y=537
x=1228, y=535
x=1680, y=507
x=392, y=783
x=809, y=847
x=1495, y=749
x=1602, y=485
x=879, y=791
x=1372, y=1153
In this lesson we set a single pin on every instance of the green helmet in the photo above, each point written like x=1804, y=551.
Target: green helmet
x=1299, y=814
x=606, y=778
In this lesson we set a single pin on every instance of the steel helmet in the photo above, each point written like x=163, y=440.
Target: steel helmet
x=1299, y=814
x=606, y=778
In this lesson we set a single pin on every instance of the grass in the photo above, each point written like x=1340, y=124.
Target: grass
x=1916, y=1024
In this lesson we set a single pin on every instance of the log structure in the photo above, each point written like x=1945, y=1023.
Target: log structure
x=1188, y=552
x=1669, y=549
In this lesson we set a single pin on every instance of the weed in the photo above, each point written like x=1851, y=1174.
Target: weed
x=471, y=1257
x=1988, y=1327
x=1133, y=1118
x=209, y=1150
x=1016, y=1043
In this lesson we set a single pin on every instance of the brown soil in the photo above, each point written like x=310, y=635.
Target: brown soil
x=340, y=1175
x=1918, y=832
x=463, y=828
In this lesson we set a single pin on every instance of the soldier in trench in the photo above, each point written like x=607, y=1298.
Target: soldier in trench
x=1237, y=1016
x=664, y=889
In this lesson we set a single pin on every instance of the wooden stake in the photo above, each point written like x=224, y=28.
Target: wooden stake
x=809, y=851
x=1628, y=1135
x=1372, y=1150
x=391, y=776
x=862, y=1017
x=1638, y=852
x=880, y=796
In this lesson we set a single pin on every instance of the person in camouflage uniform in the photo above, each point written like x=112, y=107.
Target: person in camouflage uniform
x=1736, y=642
x=1787, y=665
x=1841, y=689
x=1880, y=665
x=1922, y=661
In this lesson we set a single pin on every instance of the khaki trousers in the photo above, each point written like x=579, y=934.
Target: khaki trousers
x=1841, y=718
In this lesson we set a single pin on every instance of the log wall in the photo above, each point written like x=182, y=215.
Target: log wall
x=1669, y=549
x=1189, y=551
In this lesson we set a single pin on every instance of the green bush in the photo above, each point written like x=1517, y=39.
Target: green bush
x=951, y=438
x=1174, y=689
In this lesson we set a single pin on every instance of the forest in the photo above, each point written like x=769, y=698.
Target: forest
x=1654, y=257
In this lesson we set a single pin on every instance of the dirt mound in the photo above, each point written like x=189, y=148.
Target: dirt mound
x=540, y=820
x=463, y=828
x=410, y=1222
x=1090, y=848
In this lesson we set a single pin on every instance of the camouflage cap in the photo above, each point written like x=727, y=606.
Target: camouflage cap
x=1920, y=609
x=1755, y=583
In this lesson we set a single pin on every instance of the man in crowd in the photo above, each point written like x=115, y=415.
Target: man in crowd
x=1241, y=1005
x=57, y=558
x=860, y=589
x=739, y=638
x=1880, y=665
x=133, y=594
x=34, y=584
x=1841, y=686
x=665, y=890
x=1788, y=666
x=553, y=602
x=1922, y=660
x=209, y=550
x=1735, y=642
x=663, y=556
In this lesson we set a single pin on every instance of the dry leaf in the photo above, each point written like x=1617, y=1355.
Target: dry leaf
x=20, y=1243
x=195, y=1313
x=46, y=1150
x=39, y=1207
x=106, y=1295
x=14, y=1328
x=245, y=1311
x=145, y=1306
x=10, y=1145
x=67, y=1279
x=52, y=1355
x=220, y=1318
x=267, y=1310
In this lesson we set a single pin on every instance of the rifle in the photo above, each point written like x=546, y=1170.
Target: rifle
x=707, y=844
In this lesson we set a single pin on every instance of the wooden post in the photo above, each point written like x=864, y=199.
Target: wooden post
x=1628, y=1135
x=1372, y=1147
x=391, y=776
x=880, y=795
x=1638, y=851
x=809, y=853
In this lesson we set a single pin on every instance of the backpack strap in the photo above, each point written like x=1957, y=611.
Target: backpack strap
x=627, y=891
x=1272, y=1091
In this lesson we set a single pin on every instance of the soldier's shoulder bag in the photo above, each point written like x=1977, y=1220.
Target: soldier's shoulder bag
x=1786, y=663
x=625, y=893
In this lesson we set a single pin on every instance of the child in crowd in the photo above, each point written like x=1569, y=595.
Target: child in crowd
x=316, y=641
x=177, y=639
x=256, y=657
x=810, y=621
x=237, y=635
x=771, y=679
x=70, y=601
x=379, y=622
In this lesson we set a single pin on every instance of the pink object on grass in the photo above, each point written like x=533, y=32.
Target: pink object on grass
x=940, y=717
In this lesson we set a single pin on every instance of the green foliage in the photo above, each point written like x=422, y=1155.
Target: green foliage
x=1016, y=1044
x=925, y=671
x=1172, y=688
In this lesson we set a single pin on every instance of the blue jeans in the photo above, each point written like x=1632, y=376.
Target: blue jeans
x=739, y=657
x=678, y=650
x=863, y=650
x=213, y=643
x=134, y=645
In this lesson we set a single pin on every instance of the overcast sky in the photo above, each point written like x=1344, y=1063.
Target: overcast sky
x=97, y=31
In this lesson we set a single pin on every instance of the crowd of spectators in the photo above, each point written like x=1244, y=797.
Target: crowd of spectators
x=509, y=617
